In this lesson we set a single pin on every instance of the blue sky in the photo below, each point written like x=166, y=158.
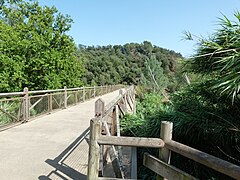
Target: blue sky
x=162, y=22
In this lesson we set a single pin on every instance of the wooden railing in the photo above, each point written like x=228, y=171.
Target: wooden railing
x=18, y=107
x=102, y=131
x=106, y=122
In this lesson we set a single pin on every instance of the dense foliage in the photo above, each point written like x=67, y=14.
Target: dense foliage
x=35, y=50
x=132, y=63
x=218, y=59
x=206, y=113
x=197, y=122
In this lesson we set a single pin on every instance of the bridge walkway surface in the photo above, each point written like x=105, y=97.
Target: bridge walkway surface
x=50, y=147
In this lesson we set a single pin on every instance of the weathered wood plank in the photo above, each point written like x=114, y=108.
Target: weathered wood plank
x=165, y=135
x=65, y=97
x=114, y=122
x=59, y=104
x=32, y=106
x=84, y=94
x=165, y=170
x=129, y=103
x=131, y=141
x=11, y=94
x=111, y=105
x=113, y=156
x=117, y=120
x=75, y=97
x=215, y=163
x=26, y=111
x=99, y=108
x=118, y=131
x=121, y=109
x=4, y=111
x=50, y=103
x=94, y=149
x=120, y=100
x=134, y=162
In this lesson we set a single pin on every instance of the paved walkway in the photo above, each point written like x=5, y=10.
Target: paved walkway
x=50, y=147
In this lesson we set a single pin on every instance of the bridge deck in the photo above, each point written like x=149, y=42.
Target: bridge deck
x=50, y=147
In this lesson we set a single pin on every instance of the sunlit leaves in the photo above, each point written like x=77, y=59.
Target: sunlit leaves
x=37, y=36
x=219, y=57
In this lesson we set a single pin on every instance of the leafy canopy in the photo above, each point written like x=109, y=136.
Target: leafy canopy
x=35, y=50
x=143, y=64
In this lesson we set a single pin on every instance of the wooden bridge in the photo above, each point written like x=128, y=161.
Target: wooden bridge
x=67, y=145
x=51, y=146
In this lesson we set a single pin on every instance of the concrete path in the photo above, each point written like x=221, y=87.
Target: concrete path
x=50, y=147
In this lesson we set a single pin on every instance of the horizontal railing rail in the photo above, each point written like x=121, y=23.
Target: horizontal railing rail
x=19, y=107
x=208, y=160
x=107, y=88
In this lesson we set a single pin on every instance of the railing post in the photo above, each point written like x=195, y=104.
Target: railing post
x=165, y=135
x=65, y=97
x=94, y=149
x=50, y=103
x=26, y=108
x=75, y=96
x=133, y=162
x=94, y=92
x=99, y=110
x=83, y=94
x=124, y=107
x=118, y=132
x=114, y=122
x=134, y=100
x=99, y=107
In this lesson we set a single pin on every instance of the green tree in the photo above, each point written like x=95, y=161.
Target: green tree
x=35, y=50
x=152, y=75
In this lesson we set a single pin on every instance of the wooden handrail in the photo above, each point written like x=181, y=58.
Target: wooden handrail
x=131, y=141
x=11, y=94
x=48, y=91
x=114, y=102
x=166, y=145
x=102, y=114
x=56, y=99
x=165, y=169
x=208, y=160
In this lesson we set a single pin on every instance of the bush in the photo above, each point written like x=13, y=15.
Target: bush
x=198, y=123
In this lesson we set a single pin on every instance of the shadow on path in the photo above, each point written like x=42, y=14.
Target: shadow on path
x=62, y=169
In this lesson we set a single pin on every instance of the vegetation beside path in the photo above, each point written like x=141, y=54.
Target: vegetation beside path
x=206, y=112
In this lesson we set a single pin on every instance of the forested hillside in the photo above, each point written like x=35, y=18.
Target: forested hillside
x=131, y=63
